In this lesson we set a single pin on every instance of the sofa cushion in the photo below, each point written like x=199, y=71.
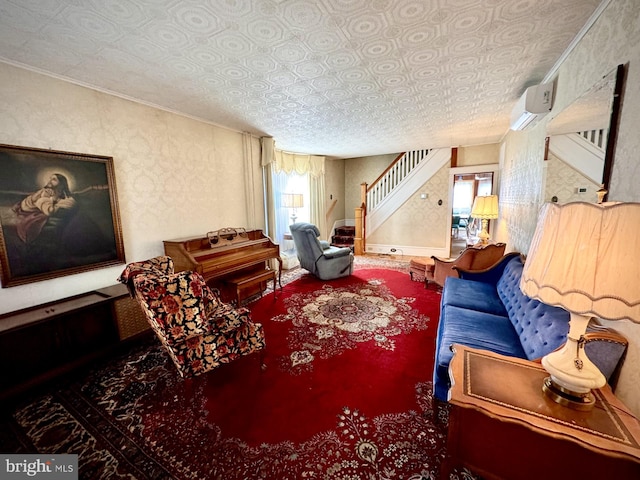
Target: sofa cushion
x=478, y=296
x=477, y=330
x=541, y=328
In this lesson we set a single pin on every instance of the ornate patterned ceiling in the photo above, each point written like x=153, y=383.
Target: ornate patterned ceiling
x=343, y=78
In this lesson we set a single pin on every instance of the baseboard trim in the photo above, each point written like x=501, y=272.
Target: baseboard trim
x=406, y=250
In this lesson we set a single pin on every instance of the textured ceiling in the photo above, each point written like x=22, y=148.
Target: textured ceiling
x=342, y=78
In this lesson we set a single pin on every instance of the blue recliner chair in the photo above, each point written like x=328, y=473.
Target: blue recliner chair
x=317, y=256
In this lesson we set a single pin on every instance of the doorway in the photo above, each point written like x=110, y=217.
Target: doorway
x=467, y=185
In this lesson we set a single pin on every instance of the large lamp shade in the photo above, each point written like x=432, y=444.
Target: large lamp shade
x=583, y=258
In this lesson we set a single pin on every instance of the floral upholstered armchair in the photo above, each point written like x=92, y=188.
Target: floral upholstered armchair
x=197, y=329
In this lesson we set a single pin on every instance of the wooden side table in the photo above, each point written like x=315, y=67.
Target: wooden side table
x=502, y=426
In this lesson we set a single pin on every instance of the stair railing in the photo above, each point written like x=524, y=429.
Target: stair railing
x=392, y=176
x=371, y=196
x=596, y=137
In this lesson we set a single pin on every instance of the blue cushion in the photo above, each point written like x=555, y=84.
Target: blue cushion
x=478, y=296
x=541, y=328
x=477, y=330
x=474, y=329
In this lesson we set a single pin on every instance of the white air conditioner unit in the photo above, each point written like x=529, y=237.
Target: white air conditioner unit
x=536, y=102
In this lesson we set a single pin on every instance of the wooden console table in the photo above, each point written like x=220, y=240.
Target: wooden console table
x=41, y=342
x=502, y=426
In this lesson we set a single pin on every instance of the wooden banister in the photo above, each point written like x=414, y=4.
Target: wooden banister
x=386, y=170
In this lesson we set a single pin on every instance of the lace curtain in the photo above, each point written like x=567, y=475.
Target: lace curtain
x=284, y=172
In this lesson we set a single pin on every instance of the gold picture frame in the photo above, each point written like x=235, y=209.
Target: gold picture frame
x=58, y=214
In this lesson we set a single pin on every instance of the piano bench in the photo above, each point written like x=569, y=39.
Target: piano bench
x=241, y=284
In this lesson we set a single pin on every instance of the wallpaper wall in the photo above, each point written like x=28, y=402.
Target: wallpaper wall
x=335, y=192
x=564, y=182
x=478, y=155
x=613, y=40
x=175, y=176
x=419, y=222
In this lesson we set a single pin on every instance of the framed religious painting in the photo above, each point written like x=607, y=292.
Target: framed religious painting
x=59, y=214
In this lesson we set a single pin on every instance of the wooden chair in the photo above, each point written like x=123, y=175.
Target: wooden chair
x=471, y=258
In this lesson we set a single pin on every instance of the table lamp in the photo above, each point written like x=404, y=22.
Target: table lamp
x=485, y=208
x=293, y=201
x=583, y=258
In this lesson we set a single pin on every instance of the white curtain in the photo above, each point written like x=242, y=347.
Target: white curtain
x=287, y=172
x=282, y=183
x=462, y=196
x=251, y=182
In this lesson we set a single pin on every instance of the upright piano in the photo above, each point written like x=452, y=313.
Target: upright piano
x=223, y=254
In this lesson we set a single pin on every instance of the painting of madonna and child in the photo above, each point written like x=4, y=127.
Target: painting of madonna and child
x=58, y=212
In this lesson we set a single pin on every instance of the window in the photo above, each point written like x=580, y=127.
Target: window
x=289, y=183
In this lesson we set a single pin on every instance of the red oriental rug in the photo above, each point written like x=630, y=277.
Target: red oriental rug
x=346, y=394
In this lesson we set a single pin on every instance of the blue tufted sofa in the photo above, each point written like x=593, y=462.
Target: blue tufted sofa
x=486, y=310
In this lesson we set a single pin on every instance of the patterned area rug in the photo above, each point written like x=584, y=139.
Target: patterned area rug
x=346, y=395
x=331, y=319
x=388, y=262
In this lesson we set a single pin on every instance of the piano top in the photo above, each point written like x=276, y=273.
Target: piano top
x=195, y=244
x=197, y=253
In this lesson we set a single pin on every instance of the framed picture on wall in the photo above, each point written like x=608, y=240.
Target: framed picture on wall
x=58, y=213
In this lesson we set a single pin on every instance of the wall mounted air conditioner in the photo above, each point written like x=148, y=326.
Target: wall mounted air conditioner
x=536, y=102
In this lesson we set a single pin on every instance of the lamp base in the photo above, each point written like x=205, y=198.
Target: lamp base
x=483, y=236
x=567, y=398
x=573, y=375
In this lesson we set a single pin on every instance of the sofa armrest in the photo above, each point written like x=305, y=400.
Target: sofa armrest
x=489, y=275
x=607, y=349
x=598, y=333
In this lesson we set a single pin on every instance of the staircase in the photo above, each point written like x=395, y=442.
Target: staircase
x=583, y=151
x=400, y=181
x=343, y=237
